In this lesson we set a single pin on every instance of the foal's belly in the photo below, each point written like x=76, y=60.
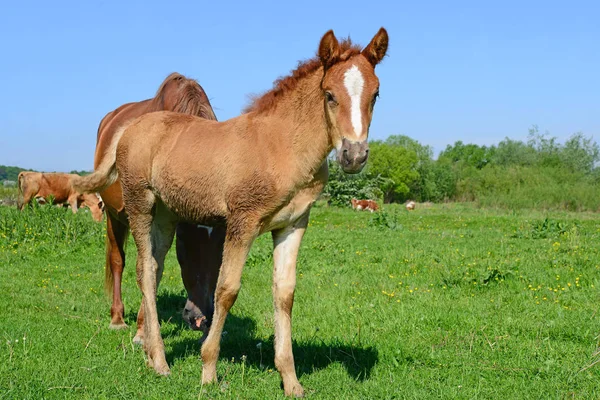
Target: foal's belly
x=290, y=213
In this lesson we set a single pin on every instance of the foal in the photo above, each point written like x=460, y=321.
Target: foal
x=256, y=173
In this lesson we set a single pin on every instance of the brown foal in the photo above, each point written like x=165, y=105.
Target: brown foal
x=256, y=173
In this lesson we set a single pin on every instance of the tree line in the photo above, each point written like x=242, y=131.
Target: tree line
x=537, y=173
x=10, y=173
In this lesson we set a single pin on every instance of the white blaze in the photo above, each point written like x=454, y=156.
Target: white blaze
x=354, y=82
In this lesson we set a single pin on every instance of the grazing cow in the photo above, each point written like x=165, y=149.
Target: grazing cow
x=43, y=187
x=410, y=206
x=57, y=187
x=94, y=202
x=367, y=205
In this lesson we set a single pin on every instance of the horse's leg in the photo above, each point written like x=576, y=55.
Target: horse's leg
x=153, y=237
x=238, y=240
x=286, y=243
x=116, y=235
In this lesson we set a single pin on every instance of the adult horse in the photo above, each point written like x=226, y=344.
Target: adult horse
x=256, y=173
x=179, y=94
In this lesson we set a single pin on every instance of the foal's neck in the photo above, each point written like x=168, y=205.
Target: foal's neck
x=302, y=112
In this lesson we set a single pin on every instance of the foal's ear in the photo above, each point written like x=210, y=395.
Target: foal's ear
x=376, y=50
x=329, y=49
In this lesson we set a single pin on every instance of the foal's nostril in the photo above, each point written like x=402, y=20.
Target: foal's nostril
x=345, y=156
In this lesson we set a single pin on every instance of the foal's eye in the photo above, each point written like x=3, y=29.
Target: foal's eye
x=375, y=96
x=330, y=98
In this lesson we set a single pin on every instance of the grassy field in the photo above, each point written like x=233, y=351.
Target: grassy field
x=449, y=301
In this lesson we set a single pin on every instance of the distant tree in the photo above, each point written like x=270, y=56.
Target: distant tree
x=82, y=172
x=442, y=184
x=342, y=187
x=513, y=153
x=10, y=173
x=580, y=154
x=423, y=188
x=397, y=165
x=545, y=146
x=469, y=154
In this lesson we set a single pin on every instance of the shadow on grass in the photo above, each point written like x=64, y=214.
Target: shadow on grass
x=310, y=356
x=170, y=306
x=241, y=340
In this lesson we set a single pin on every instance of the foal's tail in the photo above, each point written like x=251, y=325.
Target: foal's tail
x=106, y=174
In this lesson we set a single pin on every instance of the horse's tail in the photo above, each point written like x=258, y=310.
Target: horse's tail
x=106, y=174
x=108, y=273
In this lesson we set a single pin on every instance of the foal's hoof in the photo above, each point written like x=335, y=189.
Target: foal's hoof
x=118, y=325
x=138, y=339
x=294, y=390
x=209, y=376
x=159, y=364
x=160, y=368
x=164, y=370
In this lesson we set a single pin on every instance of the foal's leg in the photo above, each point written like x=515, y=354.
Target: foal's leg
x=235, y=251
x=286, y=243
x=159, y=253
x=153, y=237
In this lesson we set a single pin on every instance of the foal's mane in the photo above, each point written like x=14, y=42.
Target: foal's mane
x=192, y=99
x=284, y=84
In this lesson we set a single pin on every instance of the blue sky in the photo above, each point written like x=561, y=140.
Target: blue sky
x=466, y=70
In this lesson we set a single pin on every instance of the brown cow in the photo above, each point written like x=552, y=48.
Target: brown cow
x=44, y=187
x=94, y=202
x=367, y=205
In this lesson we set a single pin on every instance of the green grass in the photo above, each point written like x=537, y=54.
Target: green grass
x=443, y=302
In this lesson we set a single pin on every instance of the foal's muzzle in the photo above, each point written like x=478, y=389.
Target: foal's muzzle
x=353, y=156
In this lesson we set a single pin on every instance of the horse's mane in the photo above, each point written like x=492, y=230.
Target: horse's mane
x=172, y=77
x=192, y=100
x=267, y=100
